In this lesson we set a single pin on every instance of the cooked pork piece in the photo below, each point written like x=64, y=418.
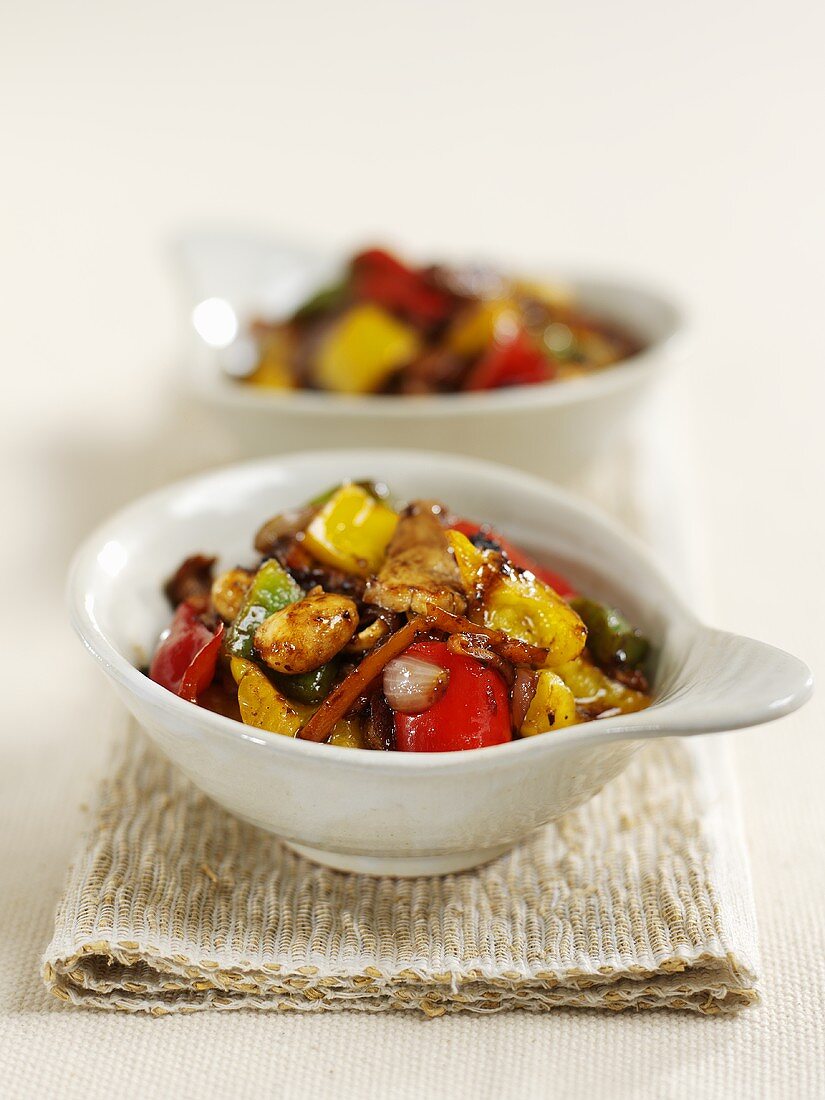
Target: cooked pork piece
x=192, y=581
x=419, y=568
x=306, y=634
x=281, y=529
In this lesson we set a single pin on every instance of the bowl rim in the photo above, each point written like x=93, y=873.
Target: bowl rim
x=119, y=668
x=204, y=373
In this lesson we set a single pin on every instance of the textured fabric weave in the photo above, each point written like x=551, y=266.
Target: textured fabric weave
x=638, y=899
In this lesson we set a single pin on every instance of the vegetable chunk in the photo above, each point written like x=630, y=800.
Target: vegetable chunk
x=596, y=693
x=363, y=348
x=519, y=604
x=351, y=531
x=553, y=705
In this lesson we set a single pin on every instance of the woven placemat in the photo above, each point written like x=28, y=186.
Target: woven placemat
x=640, y=899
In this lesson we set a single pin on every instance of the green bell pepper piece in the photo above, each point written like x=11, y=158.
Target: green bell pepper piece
x=323, y=301
x=610, y=637
x=308, y=687
x=271, y=590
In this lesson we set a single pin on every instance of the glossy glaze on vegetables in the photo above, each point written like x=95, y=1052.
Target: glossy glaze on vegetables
x=366, y=625
x=390, y=328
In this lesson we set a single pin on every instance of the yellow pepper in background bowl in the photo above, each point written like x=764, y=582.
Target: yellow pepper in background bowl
x=481, y=325
x=273, y=370
x=362, y=349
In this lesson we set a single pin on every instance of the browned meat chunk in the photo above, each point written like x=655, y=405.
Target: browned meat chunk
x=419, y=569
x=191, y=581
x=281, y=529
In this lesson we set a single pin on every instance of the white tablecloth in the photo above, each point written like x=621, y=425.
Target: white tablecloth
x=641, y=136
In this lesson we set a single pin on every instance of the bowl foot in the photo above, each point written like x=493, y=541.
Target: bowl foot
x=400, y=866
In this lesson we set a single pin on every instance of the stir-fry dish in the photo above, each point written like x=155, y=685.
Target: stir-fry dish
x=387, y=327
x=368, y=626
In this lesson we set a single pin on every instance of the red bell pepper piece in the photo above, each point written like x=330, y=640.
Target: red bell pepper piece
x=516, y=363
x=473, y=712
x=185, y=659
x=378, y=277
x=518, y=557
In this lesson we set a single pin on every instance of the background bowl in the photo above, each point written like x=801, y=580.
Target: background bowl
x=551, y=429
x=406, y=813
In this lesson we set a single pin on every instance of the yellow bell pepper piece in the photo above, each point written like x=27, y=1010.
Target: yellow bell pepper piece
x=264, y=707
x=347, y=734
x=273, y=371
x=519, y=604
x=482, y=324
x=351, y=531
x=595, y=692
x=363, y=349
x=552, y=707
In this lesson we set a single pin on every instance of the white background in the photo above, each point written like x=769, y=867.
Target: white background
x=677, y=142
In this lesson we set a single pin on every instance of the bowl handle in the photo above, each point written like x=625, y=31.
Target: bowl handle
x=246, y=267
x=735, y=682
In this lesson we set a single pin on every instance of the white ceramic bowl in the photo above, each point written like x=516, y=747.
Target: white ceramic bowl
x=406, y=813
x=553, y=429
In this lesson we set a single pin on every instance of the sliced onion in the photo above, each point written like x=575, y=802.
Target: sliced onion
x=412, y=685
x=524, y=688
x=477, y=646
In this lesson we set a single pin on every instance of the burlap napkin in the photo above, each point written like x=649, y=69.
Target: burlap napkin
x=640, y=899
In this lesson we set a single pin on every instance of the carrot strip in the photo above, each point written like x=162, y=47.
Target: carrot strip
x=341, y=698
x=511, y=649
x=339, y=701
